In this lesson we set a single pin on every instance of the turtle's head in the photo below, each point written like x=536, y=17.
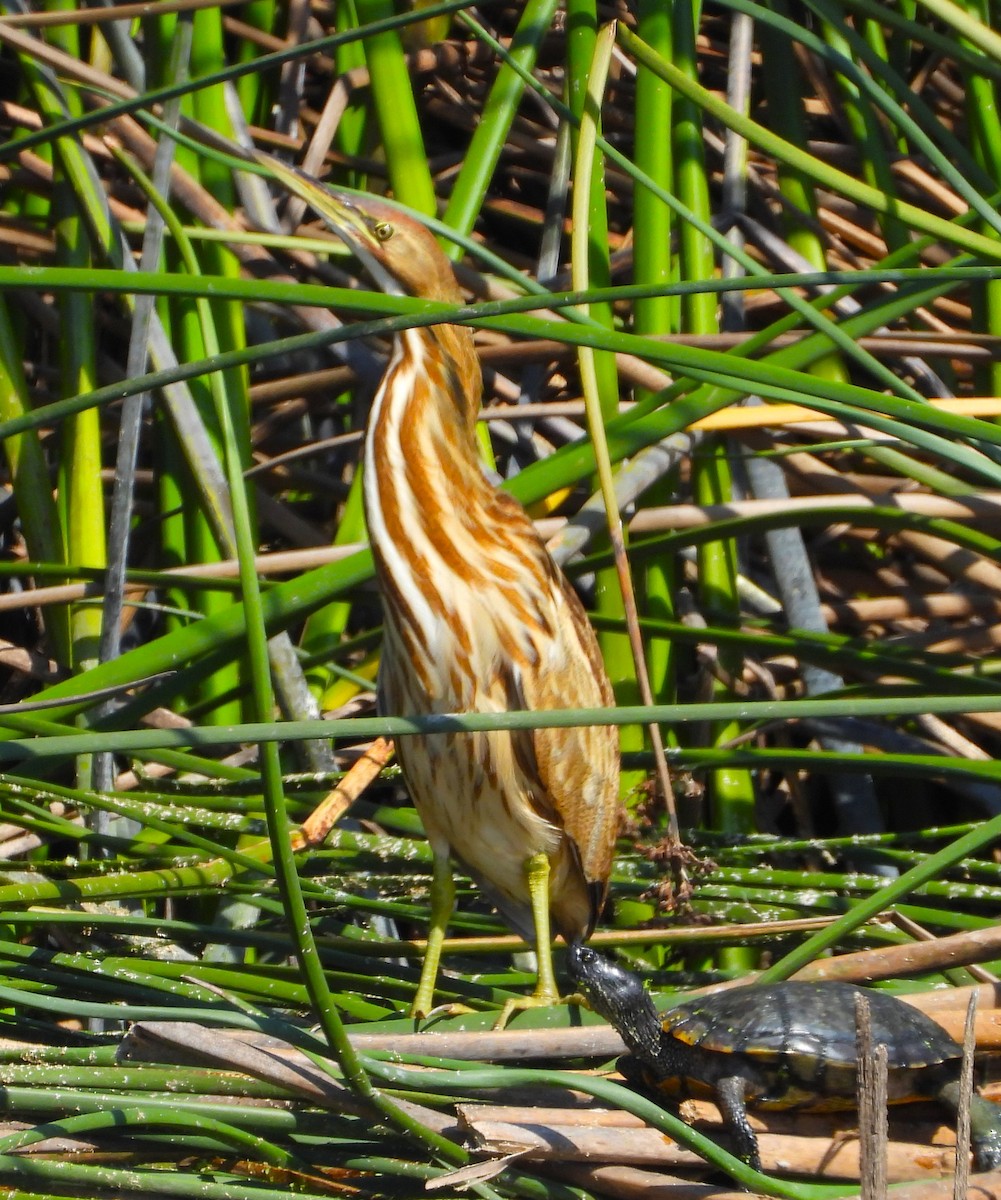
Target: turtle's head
x=619, y=996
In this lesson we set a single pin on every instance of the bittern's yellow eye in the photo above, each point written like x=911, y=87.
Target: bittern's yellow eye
x=383, y=230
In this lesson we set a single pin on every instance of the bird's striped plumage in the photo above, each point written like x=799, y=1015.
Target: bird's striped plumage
x=478, y=618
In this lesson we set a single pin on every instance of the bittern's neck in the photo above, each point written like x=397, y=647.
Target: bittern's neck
x=422, y=471
x=445, y=355
x=422, y=425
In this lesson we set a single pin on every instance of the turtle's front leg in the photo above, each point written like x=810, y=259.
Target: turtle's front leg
x=730, y=1097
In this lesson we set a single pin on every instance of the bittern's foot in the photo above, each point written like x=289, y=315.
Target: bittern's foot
x=536, y=1000
x=424, y=1019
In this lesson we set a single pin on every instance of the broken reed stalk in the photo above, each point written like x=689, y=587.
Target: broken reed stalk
x=872, y=1105
x=961, y=1177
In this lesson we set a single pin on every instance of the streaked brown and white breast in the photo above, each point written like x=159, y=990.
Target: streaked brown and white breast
x=478, y=618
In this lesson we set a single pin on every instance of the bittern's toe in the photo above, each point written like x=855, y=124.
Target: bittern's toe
x=424, y=1020
x=536, y=1000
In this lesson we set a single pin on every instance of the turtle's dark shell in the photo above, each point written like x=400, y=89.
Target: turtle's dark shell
x=798, y=1041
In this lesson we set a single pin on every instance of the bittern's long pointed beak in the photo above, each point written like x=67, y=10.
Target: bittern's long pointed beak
x=343, y=216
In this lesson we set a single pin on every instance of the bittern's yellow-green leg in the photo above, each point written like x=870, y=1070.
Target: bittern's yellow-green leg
x=442, y=903
x=537, y=875
x=478, y=618
x=546, y=992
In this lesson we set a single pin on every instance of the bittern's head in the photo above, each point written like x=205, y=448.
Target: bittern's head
x=399, y=253
x=391, y=244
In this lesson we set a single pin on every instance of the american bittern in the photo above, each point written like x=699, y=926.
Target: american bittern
x=478, y=618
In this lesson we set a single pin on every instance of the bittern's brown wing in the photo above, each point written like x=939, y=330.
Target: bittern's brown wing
x=579, y=771
x=574, y=772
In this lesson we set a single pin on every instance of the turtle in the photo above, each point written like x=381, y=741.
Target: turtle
x=781, y=1045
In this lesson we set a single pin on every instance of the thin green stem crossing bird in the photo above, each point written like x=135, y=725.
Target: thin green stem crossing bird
x=478, y=618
